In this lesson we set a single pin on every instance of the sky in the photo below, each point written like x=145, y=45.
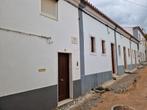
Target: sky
x=124, y=12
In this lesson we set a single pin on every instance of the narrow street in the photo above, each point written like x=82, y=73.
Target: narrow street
x=135, y=97
x=73, y=55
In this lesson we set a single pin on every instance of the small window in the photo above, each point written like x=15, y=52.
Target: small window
x=93, y=49
x=103, y=47
x=119, y=50
x=49, y=8
x=129, y=52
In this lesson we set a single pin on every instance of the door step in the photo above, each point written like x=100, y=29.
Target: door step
x=131, y=71
x=140, y=67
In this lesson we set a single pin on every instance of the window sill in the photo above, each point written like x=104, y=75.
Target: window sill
x=93, y=53
x=48, y=16
x=103, y=54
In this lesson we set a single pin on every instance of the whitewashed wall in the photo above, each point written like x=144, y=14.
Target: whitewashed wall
x=142, y=46
x=141, y=38
x=21, y=56
x=134, y=47
x=97, y=62
x=123, y=42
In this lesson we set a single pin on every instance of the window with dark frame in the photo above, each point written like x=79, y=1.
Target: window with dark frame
x=103, y=47
x=93, y=44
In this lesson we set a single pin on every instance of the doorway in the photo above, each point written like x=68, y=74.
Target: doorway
x=113, y=58
x=135, y=57
x=125, y=57
x=63, y=76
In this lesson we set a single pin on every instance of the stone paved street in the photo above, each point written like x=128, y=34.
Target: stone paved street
x=134, y=95
x=128, y=90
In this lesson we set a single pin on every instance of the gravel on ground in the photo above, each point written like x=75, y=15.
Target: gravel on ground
x=135, y=95
x=131, y=91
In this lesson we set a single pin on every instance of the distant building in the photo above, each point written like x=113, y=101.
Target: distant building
x=138, y=33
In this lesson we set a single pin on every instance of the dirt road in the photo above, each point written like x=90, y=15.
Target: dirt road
x=135, y=97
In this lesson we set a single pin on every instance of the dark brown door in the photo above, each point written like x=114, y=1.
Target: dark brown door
x=113, y=58
x=135, y=57
x=63, y=76
x=125, y=58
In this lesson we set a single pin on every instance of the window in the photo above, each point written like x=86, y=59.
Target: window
x=119, y=50
x=93, y=49
x=139, y=37
x=129, y=52
x=49, y=8
x=103, y=47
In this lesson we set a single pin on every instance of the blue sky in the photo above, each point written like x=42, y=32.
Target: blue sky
x=125, y=12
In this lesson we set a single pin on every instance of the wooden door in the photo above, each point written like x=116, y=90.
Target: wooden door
x=113, y=58
x=63, y=76
x=125, y=58
x=135, y=57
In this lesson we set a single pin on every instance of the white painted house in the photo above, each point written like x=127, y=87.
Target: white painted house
x=108, y=48
x=55, y=50
x=138, y=33
x=39, y=47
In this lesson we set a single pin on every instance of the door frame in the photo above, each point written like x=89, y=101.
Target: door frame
x=113, y=60
x=70, y=76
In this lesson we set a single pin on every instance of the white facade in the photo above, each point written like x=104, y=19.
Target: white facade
x=142, y=47
x=134, y=53
x=123, y=42
x=98, y=66
x=23, y=55
x=31, y=40
x=137, y=32
x=97, y=62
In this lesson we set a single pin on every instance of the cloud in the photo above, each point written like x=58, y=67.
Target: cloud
x=124, y=12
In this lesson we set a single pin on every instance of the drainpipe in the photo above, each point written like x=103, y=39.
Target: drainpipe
x=116, y=48
x=82, y=57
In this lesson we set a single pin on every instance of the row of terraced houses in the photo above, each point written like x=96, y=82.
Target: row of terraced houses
x=52, y=51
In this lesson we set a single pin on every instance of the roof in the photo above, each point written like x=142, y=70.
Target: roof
x=106, y=17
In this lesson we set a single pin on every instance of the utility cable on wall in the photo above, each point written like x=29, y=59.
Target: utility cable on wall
x=24, y=33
